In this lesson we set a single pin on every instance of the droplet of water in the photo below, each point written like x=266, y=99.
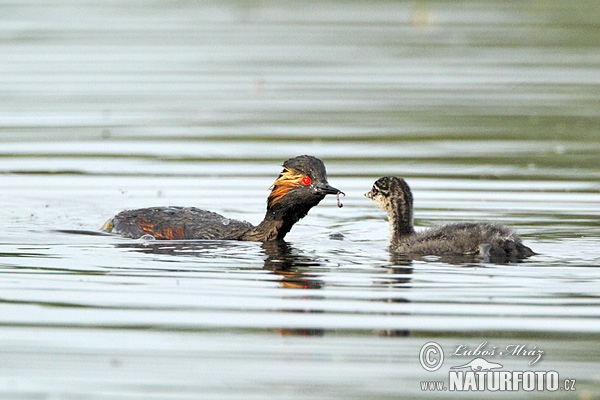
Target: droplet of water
x=336, y=236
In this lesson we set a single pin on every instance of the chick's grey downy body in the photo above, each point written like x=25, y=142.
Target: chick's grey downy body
x=393, y=195
x=300, y=186
x=485, y=239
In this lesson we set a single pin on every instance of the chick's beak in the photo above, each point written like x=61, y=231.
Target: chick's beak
x=325, y=188
x=369, y=195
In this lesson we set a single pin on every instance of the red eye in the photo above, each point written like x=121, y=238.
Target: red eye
x=306, y=180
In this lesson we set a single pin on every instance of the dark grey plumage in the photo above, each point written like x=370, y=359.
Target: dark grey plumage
x=489, y=240
x=178, y=222
x=300, y=186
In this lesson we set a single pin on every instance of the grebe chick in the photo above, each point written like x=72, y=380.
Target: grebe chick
x=300, y=186
x=393, y=195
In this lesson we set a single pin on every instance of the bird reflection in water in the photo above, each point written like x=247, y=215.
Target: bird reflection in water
x=279, y=257
x=401, y=268
x=287, y=262
x=295, y=270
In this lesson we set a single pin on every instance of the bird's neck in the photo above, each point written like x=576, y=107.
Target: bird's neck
x=276, y=224
x=401, y=222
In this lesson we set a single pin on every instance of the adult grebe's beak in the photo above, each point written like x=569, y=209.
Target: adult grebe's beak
x=325, y=188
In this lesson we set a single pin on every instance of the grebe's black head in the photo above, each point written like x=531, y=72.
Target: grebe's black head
x=393, y=195
x=301, y=185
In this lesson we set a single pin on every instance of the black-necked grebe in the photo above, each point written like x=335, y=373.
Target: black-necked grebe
x=300, y=186
x=393, y=195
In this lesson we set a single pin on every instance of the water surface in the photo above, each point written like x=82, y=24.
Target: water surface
x=489, y=110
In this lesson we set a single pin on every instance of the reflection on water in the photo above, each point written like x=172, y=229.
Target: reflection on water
x=489, y=109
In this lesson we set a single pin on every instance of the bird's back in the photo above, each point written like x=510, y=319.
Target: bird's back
x=173, y=223
x=490, y=240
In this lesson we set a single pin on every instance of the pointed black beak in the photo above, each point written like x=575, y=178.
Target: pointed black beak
x=325, y=188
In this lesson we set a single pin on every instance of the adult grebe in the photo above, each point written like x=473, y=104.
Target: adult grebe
x=300, y=186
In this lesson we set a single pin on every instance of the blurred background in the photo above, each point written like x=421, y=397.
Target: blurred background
x=489, y=109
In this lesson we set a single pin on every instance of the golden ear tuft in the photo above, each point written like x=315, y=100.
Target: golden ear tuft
x=284, y=183
x=289, y=177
